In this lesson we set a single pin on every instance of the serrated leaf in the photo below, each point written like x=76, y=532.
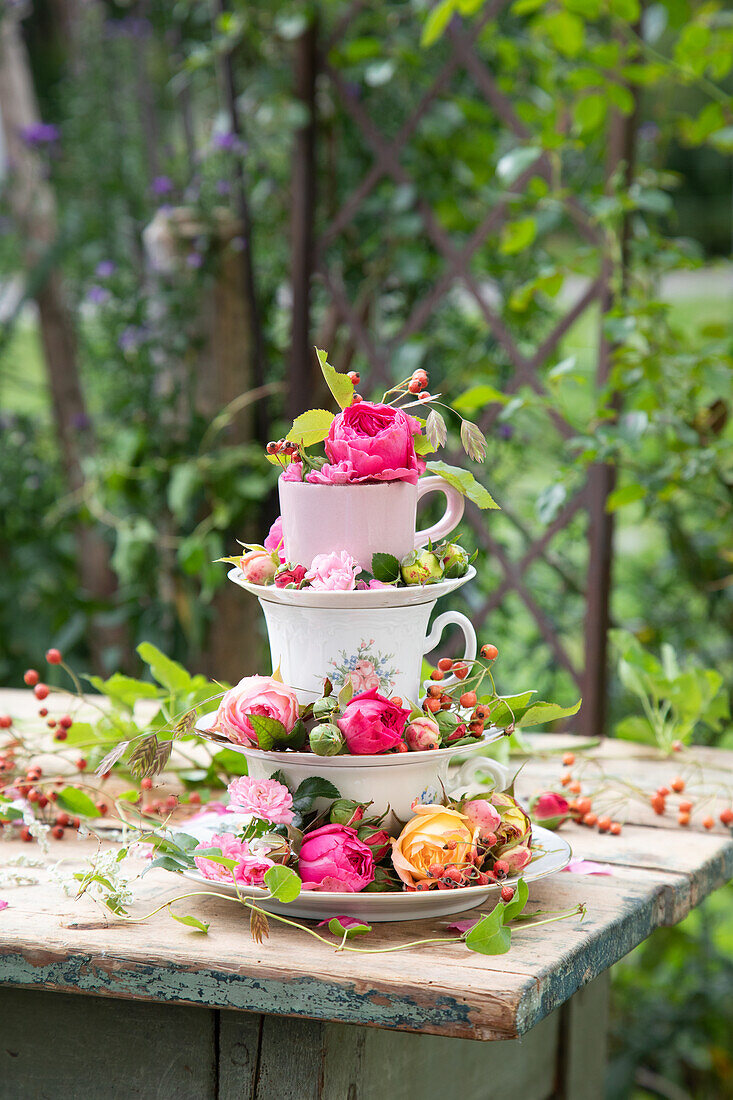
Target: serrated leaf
x=283, y=883
x=111, y=758
x=268, y=730
x=464, y=482
x=539, y=713
x=191, y=922
x=385, y=568
x=339, y=384
x=310, y=789
x=436, y=430
x=473, y=440
x=259, y=927
x=77, y=802
x=310, y=427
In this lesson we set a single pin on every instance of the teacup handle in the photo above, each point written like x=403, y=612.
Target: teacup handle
x=452, y=618
x=467, y=781
x=450, y=518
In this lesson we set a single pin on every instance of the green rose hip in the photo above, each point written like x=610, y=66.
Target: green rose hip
x=326, y=739
x=421, y=567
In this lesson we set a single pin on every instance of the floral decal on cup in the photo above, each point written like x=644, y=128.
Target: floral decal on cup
x=364, y=669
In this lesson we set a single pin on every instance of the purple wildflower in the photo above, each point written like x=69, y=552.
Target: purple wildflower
x=506, y=431
x=223, y=187
x=97, y=295
x=40, y=133
x=130, y=338
x=81, y=422
x=194, y=259
x=162, y=185
x=239, y=243
x=228, y=142
x=105, y=269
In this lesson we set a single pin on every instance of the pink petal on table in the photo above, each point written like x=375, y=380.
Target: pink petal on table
x=3, y=904
x=346, y=922
x=461, y=925
x=587, y=867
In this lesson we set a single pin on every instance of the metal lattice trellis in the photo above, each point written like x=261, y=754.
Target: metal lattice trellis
x=312, y=260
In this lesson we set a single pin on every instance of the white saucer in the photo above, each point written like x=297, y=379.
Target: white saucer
x=552, y=854
x=371, y=597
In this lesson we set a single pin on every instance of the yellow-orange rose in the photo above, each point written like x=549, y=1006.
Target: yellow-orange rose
x=435, y=835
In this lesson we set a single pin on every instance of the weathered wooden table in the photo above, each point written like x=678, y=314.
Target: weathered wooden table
x=168, y=1012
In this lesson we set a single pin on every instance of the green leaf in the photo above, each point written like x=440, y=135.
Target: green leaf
x=234, y=763
x=216, y=856
x=513, y=908
x=124, y=689
x=423, y=445
x=283, y=883
x=269, y=731
x=385, y=568
x=8, y=812
x=723, y=139
x=635, y=728
x=349, y=930
x=309, y=790
x=489, y=936
x=464, y=482
x=511, y=708
x=518, y=235
x=77, y=802
x=346, y=694
x=339, y=384
x=167, y=672
x=589, y=113
x=565, y=30
x=513, y=164
x=191, y=922
x=436, y=22
x=540, y=713
x=310, y=427
x=629, y=494
x=478, y=397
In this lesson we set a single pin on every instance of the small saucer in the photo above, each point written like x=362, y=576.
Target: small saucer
x=366, y=598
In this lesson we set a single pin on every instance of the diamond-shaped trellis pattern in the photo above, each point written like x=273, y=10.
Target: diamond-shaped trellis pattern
x=387, y=163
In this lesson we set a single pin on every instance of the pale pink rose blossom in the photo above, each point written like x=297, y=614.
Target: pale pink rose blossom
x=339, y=473
x=265, y=798
x=335, y=572
x=275, y=539
x=292, y=472
x=250, y=868
x=255, y=695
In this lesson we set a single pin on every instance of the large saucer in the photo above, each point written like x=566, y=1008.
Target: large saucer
x=551, y=853
x=369, y=598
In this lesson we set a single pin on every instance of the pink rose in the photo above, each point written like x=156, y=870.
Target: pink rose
x=258, y=567
x=292, y=472
x=335, y=572
x=378, y=840
x=517, y=858
x=265, y=798
x=335, y=853
x=364, y=678
x=372, y=724
x=549, y=809
x=275, y=539
x=340, y=474
x=293, y=574
x=255, y=695
x=480, y=812
x=421, y=734
x=250, y=868
x=377, y=443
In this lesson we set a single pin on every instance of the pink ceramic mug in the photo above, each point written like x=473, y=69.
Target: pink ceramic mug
x=363, y=519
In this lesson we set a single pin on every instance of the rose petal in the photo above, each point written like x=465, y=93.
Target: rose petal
x=461, y=925
x=346, y=922
x=4, y=905
x=587, y=867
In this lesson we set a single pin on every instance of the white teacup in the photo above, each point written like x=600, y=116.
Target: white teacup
x=362, y=519
x=380, y=647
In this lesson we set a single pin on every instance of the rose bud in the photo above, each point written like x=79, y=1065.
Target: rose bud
x=549, y=809
x=516, y=858
x=258, y=567
x=422, y=733
x=376, y=839
x=421, y=567
x=324, y=707
x=516, y=827
x=454, y=560
x=326, y=739
x=290, y=575
x=480, y=812
x=346, y=812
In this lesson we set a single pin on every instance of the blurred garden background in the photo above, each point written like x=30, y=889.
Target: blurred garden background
x=533, y=201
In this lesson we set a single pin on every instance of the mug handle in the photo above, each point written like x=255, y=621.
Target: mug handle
x=450, y=518
x=468, y=782
x=449, y=618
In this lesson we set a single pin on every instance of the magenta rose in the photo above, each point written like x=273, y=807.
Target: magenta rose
x=372, y=724
x=255, y=695
x=334, y=858
x=374, y=443
x=292, y=574
x=274, y=540
x=549, y=809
